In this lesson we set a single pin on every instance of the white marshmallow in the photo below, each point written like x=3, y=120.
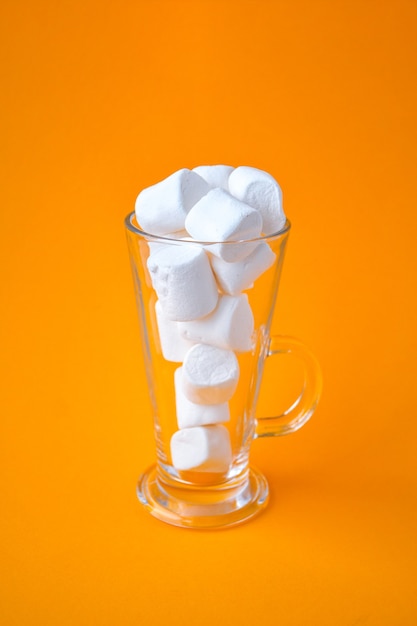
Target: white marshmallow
x=174, y=346
x=191, y=414
x=182, y=278
x=162, y=208
x=215, y=175
x=233, y=278
x=262, y=192
x=203, y=449
x=219, y=217
x=154, y=245
x=209, y=374
x=230, y=326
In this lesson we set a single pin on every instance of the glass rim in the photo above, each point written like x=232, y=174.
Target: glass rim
x=163, y=238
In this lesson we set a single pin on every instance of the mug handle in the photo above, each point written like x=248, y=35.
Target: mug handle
x=303, y=408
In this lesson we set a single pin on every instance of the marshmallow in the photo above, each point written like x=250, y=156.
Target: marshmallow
x=230, y=326
x=209, y=374
x=203, y=449
x=215, y=175
x=154, y=245
x=261, y=191
x=162, y=208
x=191, y=414
x=174, y=346
x=182, y=278
x=233, y=278
x=219, y=217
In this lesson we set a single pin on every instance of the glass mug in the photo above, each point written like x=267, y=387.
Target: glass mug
x=206, y=499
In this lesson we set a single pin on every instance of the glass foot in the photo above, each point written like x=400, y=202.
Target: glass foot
x=219, y=506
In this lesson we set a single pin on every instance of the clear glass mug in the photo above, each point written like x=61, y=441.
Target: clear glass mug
x=206, y=499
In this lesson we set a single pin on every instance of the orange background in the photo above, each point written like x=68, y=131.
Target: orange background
x=100, y=99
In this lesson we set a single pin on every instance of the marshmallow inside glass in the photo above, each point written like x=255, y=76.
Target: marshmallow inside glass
x=206, y=248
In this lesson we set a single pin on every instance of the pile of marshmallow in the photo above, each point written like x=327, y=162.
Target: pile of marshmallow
x=203, y=316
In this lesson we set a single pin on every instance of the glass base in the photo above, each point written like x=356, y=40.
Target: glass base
x=189, y=506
